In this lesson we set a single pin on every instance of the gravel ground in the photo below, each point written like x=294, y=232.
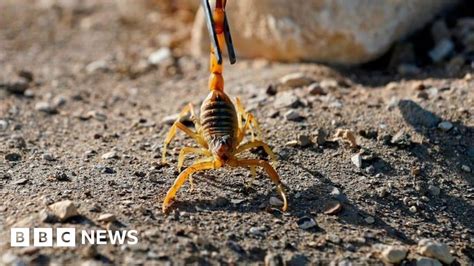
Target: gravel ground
x=83, y=115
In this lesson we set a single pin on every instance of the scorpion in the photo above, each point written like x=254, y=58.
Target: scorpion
x=222, y=124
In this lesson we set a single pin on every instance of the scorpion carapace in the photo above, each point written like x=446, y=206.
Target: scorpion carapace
x=223, y=124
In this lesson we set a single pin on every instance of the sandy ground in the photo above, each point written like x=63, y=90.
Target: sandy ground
x=415, y=180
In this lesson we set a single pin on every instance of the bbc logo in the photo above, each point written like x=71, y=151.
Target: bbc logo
x=66, y=237
x=43, y=237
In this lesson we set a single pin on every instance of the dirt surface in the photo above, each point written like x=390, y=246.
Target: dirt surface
x=415, y=179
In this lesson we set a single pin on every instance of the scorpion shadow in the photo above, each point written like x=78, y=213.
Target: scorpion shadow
x=305, y=202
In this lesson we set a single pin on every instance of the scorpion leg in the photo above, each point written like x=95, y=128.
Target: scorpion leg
x=250, y=121
x=257, y=143
x=270, y=171
x=178, y=125
x=187, y=150
x=179, y=181
x=191, y=182
x=253, y=172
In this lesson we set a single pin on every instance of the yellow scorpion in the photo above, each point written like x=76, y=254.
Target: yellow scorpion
x=222, y=124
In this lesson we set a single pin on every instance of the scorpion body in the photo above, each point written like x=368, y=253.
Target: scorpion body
x=222, y=124
x=219, y=123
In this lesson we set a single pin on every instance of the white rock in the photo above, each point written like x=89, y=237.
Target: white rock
x=466, y=168
x=445, y=126
x=110, y=155
x=11, y=259
x=99, y=65
x=256, y=231
x=335, y=192
x=437, y=250
x=357, y=160
x=293, y=115
x=306, y=223
x=393, y=254
x=339, y=31
x=64, y=209
x=107, y=217
x=295, y=80
x=286, y=99
x=3, y=125
x=45, y=107
x=159, y=56
x=427, y=262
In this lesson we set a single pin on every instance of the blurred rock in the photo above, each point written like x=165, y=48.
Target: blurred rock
x=159, y=56
x=45, y=107
x=433, y=249
x=293, y=115
x=347, y=32
x=393, y=254
x=306, y=223
x=295, y=80
x=445, y=126
x=96, y=66
x=442, y=49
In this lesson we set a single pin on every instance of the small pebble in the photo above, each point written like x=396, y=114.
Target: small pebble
x=292, y=143
x=445, y=126
x=466, y=168
x=159, y=56
x=286, y=99
x=369, y=220
x=107, y=217
x=441, y=50
x=295, y=80
x=48, y=157
x=293, y=115
x=45, y=107
x=20, y=181
x=64, y=209
x=99, y=65
x=357, y=160
x=306, y=223
x=393, y=254
x=304, y=140
x=316, y=89
x=332, y=208
x=110, y=155
x=256, y=231
x=433, y=249
x=3, y=125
